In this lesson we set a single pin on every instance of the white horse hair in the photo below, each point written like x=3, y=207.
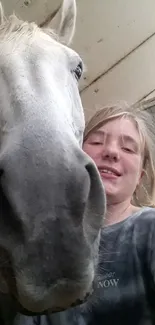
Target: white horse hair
x=52, y=200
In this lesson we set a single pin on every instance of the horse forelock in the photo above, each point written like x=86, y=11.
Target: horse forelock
x=13, y=29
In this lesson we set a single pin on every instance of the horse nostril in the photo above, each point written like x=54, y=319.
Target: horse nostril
x=82, y=301
x=77, y=302
x=1, y=172
x=88, y=295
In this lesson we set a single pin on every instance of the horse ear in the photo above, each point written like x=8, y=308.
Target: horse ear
x=66, y=27
x=1, y=14
x=63, y=22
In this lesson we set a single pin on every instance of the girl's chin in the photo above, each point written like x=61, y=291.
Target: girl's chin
x=109, y=186
x=111, y=191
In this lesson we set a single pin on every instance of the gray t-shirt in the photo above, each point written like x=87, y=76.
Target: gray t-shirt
x=125, y=288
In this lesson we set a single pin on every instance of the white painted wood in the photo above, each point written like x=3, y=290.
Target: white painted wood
x=107, y=30
x=130, y=80
x=31, y=10
x=152, y=95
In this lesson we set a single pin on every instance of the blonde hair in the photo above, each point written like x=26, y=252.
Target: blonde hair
x=144, y=194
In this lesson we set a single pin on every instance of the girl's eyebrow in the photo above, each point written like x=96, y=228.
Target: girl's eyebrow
x=125, y=137
x=98, y=132
x=129, y=139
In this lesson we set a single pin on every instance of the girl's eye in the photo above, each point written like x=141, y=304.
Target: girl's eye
x=128, y=149
x=96, y=143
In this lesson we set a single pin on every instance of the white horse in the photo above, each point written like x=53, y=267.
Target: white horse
x=51, y=196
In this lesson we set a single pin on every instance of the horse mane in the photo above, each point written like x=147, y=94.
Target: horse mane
x=13, y=28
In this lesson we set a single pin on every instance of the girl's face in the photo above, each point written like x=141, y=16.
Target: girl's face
x=116, y=149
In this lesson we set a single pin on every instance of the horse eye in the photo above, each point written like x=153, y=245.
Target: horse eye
x=78, y=71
